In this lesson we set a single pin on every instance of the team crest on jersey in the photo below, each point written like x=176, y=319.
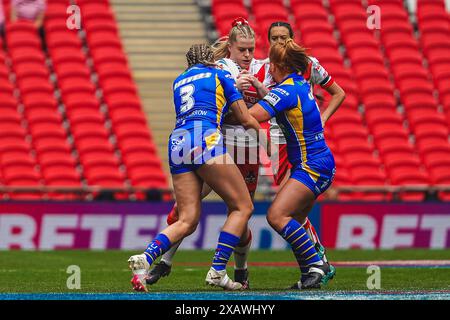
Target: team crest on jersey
x=251, y=177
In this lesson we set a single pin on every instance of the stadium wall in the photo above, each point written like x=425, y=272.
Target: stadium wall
x=130, y=225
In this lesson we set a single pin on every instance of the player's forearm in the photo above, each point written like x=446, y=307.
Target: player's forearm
x=337, y=97
x=262, y=91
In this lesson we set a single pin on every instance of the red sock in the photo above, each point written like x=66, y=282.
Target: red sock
x=311, y=231
x=245, y=242
x=173, y=216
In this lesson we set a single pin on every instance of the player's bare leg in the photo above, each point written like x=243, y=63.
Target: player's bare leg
x=302, y=217
x=294, y=196
x=164, y=266
x=227, y=182
x=187, y=188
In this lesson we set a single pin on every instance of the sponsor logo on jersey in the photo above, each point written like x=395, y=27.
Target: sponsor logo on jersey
x=199, y=76
x=272, y=99
x=176, y=144
x=282, y=91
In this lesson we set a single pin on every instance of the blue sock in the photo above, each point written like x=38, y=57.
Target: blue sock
x=157, y=247
x=301, y=245
x=225, y=247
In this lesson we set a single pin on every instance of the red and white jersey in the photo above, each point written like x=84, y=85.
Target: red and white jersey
x=316, y=75
x=235, y=134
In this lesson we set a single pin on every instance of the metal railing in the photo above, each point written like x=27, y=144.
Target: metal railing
x=87, y=193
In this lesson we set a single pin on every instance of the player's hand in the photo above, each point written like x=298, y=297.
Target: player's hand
x=243, y=72
x=243, y=83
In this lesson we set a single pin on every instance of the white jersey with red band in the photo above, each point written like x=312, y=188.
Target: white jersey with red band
x=315, y=75
x=236, y=134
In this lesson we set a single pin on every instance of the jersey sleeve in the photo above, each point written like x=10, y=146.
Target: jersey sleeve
x=319, y=75
x=278, y=100
x=229, y=86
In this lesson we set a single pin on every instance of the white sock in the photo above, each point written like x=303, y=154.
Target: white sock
x=168, y=256
x=241, y=255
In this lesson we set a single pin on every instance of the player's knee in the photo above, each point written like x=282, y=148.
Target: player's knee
x=247, y=209
x=188, y=226
x=274, y=218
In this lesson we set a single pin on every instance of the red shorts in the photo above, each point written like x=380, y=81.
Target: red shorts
x=283, y=164
x=247, y=160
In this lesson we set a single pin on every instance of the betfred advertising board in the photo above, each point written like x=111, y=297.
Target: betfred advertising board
x=385, y=226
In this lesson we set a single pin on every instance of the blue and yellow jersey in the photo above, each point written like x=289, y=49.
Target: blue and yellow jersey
x=202, y=96
x=298, y=115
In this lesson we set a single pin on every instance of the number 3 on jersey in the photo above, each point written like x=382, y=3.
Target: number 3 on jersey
x=187, y=100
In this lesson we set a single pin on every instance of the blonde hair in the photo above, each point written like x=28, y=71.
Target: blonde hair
x=240, y=27
x=200, y=54
x=289, y=57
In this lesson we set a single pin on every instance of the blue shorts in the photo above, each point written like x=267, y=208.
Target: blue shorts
x=317, y=175
x=189, y=149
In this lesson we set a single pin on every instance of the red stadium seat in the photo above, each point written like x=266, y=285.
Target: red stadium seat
x=23, y=40
x=375, y=86
x=34, y=85
x=106, y=55
x=103, y=40
x=122, y=100
x=27, y=55
x=63, y=39
x=124, y=116
x=7, y=101
x=30, y=70
x=6, y=87
x=419, y=101
x=94, y=11
x=36, y=100
x=56, y=11
x=131, y=130
x=136, y=145
x=37, y=116
x=67, y=55
x=394, y=161
x=21, y=26
x=403, y=55
x=269, y=10
x=10, y=116
x=66, y=70
x=44, y=130
x=381, y=131
x=409, y=70
x=89, y=130
x=147, y=177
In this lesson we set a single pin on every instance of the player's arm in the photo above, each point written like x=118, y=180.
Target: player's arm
x=337, y=97
x=321, y=77
x=242, y=114
x=261, y=89
x=274, y=102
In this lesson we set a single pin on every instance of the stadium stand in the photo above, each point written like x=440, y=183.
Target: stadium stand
x=391, y=129
x=74, y=116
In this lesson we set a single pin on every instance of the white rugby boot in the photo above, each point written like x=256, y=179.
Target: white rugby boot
x=221, y=279
x=139, y=267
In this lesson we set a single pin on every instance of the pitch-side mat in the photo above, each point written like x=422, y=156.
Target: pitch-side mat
x=223, y=296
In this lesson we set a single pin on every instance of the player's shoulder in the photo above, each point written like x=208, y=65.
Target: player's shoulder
x=229, y=66
x=313, y=60
x=258, y=63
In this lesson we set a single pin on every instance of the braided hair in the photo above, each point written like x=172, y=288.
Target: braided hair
x=200, y=54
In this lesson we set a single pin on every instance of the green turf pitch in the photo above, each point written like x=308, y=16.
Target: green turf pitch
x=107, y=271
